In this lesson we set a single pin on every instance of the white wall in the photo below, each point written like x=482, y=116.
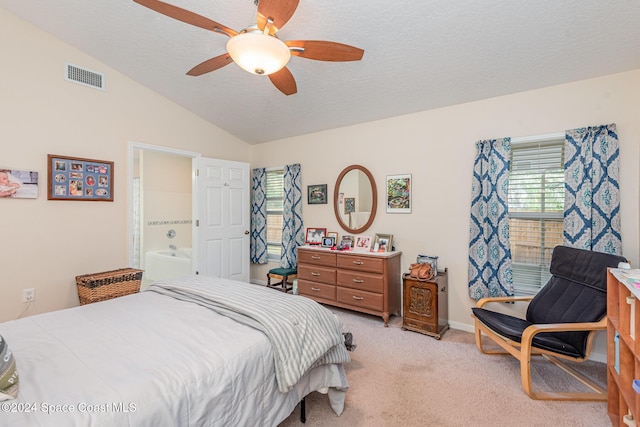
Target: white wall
x=47, y=243
x=437, y=148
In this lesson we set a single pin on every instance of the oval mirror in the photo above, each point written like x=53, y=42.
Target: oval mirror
x=355, y=199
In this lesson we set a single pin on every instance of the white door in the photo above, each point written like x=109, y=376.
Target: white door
x=223, y=215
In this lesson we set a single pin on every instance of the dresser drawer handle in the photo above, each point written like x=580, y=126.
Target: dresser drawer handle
x=315, y=289
x=315, y=257
x=358, y=262
x=357, y=280
x=313, y=273
x=357, y=298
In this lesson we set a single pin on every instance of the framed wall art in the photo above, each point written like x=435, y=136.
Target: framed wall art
x=75, y=178
x=317, y=194
x=399, y=193
x=18, y=184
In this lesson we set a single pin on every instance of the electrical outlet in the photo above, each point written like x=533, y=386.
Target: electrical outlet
x=28, y=295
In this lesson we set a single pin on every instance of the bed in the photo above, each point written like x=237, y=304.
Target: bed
x=194, y=352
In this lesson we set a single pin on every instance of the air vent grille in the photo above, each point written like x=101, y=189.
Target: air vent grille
x=84, y=77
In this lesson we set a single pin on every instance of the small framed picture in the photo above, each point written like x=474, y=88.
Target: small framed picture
x=347, y=242
x=363, y=243
x=315, y=236
x=399, y=193
x=333, y=234
x=328, y=242
x=382, y=243
x=317, y=194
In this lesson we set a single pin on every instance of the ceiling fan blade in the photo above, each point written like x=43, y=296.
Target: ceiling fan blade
x=280, y=11
x=186, y=16
x=210, y=65
x=324, y=50
x=284, y=81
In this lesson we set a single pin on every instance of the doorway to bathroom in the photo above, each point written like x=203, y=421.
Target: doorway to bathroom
x=161, y=211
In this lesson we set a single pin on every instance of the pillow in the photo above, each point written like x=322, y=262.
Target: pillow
x=8, y=373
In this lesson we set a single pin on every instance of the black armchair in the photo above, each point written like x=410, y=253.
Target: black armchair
x=561, y=320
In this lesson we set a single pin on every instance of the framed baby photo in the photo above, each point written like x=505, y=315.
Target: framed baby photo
x=75, y=178
x=18, y=184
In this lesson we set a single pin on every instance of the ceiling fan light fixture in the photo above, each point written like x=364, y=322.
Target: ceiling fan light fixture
x=258, y=53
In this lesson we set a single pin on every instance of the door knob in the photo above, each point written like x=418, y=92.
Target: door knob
x=246, y=231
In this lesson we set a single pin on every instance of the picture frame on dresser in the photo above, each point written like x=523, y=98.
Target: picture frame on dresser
x=363, y=243
x=314, y=236
x=382, y=243
x=328, y=242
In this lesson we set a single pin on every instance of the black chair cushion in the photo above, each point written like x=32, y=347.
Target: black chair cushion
x=576, y=293
x=513, y=327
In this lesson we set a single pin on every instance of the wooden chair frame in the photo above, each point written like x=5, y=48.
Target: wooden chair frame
x=524, y=350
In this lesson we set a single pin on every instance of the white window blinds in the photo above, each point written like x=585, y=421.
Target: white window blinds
x=275, y=204
x=536, y=205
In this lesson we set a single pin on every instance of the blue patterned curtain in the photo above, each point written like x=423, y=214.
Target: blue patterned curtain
x=490, y=272
x=592, y=202
x=259, y=216
x=292, y=229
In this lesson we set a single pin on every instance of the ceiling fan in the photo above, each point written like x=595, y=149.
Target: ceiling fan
x=257, y=49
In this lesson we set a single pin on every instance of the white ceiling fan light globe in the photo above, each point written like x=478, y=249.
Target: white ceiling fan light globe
x=258, y=53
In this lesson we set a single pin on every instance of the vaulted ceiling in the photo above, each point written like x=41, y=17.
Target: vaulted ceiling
x=418, y=55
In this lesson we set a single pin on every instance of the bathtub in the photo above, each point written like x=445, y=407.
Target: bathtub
x=169, y=264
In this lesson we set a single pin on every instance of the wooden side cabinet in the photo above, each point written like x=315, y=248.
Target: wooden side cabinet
x=623, y=348
x=426, y=305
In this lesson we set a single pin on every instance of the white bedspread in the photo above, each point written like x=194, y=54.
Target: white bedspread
x=302, y=332
x=150, y=360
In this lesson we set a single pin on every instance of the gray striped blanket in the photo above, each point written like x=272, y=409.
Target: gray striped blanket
x=303, y=333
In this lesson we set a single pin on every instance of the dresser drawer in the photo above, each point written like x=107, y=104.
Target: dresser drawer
x=316, y=257
x=318, y=290
x=358, y=298
x=317, y=274
x=360, y=263
x=364, y=281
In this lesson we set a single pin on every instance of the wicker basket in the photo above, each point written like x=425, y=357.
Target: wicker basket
x=107, y=285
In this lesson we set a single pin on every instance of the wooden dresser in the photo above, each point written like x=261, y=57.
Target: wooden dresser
x=368, y=282
x=426, y=305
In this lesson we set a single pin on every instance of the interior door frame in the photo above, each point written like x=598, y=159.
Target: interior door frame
x=167, y=150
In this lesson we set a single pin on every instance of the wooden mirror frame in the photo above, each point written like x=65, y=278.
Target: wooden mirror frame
x=374, y=199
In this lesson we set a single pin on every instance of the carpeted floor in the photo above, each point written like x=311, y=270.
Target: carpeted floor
x=403, y=378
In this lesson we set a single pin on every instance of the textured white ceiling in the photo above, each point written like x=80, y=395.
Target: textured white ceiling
x=419, y=54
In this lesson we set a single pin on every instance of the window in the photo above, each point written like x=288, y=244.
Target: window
x=275, y=206
x=536, y=206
